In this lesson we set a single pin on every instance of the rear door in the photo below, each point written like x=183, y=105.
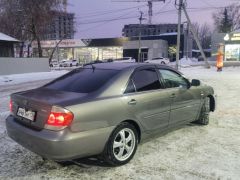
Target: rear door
x=147, y=100
x=185, y=100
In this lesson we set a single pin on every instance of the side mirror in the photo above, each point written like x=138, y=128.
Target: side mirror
x=195, y=82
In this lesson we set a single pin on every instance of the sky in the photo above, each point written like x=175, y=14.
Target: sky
x=106, y=18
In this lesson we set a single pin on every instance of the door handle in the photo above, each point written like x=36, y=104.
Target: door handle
x=132, y=102
x=173, y=95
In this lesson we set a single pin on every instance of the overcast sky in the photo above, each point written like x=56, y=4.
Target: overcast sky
x=100, y=18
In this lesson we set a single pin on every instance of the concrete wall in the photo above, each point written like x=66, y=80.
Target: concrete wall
x=23, y=65
x=156, y=48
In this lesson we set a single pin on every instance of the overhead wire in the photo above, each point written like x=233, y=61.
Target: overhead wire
x=109, y=12
x=125, y=16
x=105, y=22
x=160, y=12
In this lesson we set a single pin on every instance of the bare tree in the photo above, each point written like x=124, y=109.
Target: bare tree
x=204, y=33
x=53, y=51
x=27, y=19
x=227, y=19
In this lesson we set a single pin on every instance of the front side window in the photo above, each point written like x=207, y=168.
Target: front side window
x=172, y=79
x=144, y=80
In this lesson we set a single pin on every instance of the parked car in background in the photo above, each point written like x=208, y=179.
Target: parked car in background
x=61, y=63
x=106, y=109
x=69, y=63
x=124, y=59
x=54, y=63
x=159, y=60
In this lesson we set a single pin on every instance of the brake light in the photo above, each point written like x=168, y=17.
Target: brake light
x=59, y=118
x=11, y=105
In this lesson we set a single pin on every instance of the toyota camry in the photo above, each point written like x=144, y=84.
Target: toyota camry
x=106, y=109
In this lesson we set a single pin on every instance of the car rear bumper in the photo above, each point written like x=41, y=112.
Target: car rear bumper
x=59, y=145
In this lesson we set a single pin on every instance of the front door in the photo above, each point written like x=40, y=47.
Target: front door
x=185, y=100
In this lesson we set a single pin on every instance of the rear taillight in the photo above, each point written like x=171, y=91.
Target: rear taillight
x=11, y=106
x=59, y=118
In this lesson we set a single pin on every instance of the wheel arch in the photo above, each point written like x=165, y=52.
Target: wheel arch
x=212, y=103
x=137, y=127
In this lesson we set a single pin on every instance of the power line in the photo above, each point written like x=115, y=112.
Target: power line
x=110, y=12
x=208, y=4
x=93, y=27
x=160, y=12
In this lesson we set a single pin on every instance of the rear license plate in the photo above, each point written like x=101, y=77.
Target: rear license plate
x=30, y=115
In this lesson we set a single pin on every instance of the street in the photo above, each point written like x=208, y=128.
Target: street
x=190, y=152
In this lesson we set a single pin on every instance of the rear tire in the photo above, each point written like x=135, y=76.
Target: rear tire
x=204, y=114
x=121, y=145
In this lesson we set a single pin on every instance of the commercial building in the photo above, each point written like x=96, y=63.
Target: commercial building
x=86, y=50
x=167, y=32
x=61, y=27
x=7, y=45
x=83, y=50
x=231, y=42
x=132, y=30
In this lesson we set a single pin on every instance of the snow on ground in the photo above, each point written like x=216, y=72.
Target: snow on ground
x=21, y=78
x=191, y=152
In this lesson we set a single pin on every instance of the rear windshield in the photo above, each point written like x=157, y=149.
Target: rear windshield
x=82, y=80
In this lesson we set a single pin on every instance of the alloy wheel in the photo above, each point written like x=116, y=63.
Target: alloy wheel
x=124, y=144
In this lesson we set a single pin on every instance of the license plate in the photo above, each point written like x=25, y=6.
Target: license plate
x=30, y=115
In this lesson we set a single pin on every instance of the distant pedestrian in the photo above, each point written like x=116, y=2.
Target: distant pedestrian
x=219, y=62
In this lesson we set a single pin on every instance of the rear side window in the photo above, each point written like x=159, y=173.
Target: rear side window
x=82, y=80
x=146, y=80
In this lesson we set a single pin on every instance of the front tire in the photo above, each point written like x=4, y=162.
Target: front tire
x=163, y=63
x=121, y=145
x=204, y=114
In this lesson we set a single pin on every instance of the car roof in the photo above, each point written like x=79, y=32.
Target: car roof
x=124, y=65
x=114, y=66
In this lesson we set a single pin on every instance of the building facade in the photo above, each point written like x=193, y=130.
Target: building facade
x=132, y=30
x=61, y=27
x=231, y=42
x=232, y=46
x=86, y=50
x=7, y=45
x=149, y=49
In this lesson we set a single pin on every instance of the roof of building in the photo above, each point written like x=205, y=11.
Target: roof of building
x=4, y=37
x=169, y=34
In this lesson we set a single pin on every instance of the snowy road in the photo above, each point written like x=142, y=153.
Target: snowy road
x=191, y=152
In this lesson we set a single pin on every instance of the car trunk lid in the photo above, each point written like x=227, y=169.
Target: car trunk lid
x=39, y=102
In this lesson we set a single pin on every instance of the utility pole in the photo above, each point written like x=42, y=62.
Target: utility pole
x=180, y=5
x=150, y=12
x=195, y=37
x=150, y=6
x=140, y=36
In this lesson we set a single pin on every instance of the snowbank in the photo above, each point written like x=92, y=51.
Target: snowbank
x=28, y=77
